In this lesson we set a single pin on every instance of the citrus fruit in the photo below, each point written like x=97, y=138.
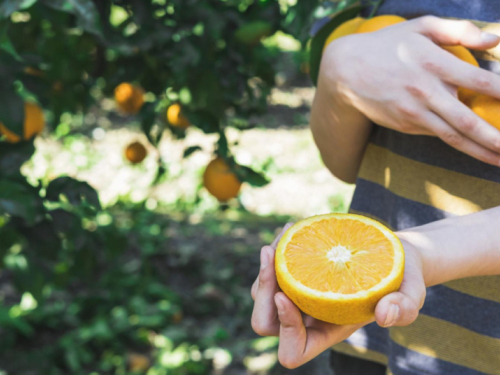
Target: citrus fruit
x=33, y=71
x=336, y=267
x=462, y=53
x=379, y=22
x=34, y=124
x=129, y=98
x=346, y=28
x=175, y=116
x=220, y=181
x=464, y=95
x=135, y=152
x=487, y=108
x=138, y=362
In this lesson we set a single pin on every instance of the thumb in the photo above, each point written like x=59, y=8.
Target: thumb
x=401, y=308
x=454, y=32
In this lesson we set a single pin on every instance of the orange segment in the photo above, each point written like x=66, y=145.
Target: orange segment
x=336, y=267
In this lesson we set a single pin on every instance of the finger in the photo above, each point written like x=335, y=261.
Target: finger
x=264, y=316
x=462, y=141
x=255, y=286
x=274, y=244
x=401, y=308
x=298, y=343
x=459, y=73
x=454, y=32
x=293, y=334
x=460, y=117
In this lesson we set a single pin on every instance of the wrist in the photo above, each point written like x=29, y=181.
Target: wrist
x=415, y=250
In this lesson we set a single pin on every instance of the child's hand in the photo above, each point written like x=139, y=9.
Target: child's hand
x=303, y=337
x=400, y=78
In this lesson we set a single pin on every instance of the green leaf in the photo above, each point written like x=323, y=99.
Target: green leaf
x=21, y=200
x=5, y=42
x=84, y=10
x=7, y=7
x=190, y=150
x=18, y=323
x=247, y=174
x=251, y=33
x=318, y=40
x=147, y=116
x=12, y=110
x=42, y=238
x=75, y=191
x=204, y=120
x=13, y=156
x=223, y=147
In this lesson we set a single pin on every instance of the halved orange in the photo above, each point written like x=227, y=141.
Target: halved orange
x=336, y=267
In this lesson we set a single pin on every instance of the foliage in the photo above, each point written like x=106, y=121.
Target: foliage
x=83, y=296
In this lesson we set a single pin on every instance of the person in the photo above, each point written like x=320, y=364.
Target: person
x=386, y=116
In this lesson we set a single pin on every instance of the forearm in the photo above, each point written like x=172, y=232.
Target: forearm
x=458, y=247
x=340, y=132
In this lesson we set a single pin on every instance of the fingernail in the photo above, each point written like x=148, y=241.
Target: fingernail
x=264, y=259
x=392, y=315
x=488, y=38
x=279, y=306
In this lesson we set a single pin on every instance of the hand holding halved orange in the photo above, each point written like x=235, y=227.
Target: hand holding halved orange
x=316, y=252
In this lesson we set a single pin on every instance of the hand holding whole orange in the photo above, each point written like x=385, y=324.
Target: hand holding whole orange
x=398, y=78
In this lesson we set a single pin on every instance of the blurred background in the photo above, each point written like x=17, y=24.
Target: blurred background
x=149, y=150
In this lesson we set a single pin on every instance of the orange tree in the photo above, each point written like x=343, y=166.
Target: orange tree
x=77, y=304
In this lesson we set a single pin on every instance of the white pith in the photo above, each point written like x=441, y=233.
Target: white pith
x=339, y=254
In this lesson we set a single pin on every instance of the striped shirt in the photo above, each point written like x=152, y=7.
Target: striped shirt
x=406, y=181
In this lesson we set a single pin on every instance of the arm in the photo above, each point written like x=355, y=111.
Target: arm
x=340, y=132
x=435, y=253
x=458, y=247
x=400, y=78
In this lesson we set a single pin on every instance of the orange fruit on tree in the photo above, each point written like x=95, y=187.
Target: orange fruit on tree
x=129, y=98
x=138, y=362
x=487, y=108
x=378, y=23
x=175, y=116
x=33, y=71
x=34, y=124
x=135, y=152
x=346, y=28
x=336, y=267
x=220, y=181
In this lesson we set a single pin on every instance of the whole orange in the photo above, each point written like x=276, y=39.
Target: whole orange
x=346, y=28
x=378, y=23
x=135, y=152
x=34, y=124
x=175, y=116
x=220, y=181
x=487, y=108
x=129, y=98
